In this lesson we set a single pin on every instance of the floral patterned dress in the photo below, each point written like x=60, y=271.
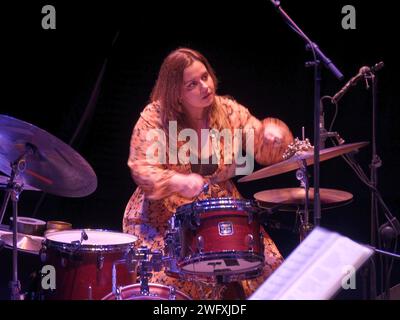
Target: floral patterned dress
x=154, y=202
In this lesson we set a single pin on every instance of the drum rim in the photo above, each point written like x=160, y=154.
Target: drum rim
x=245, y=274
x=140, y=294
x=226, y=254
x=218, y=204
x=89, y=247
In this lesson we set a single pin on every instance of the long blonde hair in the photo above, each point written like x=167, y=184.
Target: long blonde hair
x=168, y=88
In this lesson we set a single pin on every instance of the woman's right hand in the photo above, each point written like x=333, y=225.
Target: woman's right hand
x=188, y=185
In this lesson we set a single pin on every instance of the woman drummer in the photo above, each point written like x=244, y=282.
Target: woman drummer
x=171, y=171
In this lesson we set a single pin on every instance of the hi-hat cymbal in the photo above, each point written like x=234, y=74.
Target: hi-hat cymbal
x=4, y=182
x=294, y=162
x=50, y=165
x=290, y=199
x=24, y=242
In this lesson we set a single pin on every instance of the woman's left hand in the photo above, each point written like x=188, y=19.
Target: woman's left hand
x=273, y=134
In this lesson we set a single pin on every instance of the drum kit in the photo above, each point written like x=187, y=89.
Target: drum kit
x=217, y=240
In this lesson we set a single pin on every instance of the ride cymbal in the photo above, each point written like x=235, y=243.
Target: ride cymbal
x=291, y=199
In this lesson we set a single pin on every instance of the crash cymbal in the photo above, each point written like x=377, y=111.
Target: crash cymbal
x=51, y=165
x=290, y=199
x=26, y=243
x=4, y=182
x=294, y=162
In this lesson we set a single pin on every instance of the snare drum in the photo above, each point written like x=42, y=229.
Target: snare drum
x=155, y=292
x=217, y=237
x=84, y=269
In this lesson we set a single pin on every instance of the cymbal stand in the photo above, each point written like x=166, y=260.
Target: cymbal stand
x=305, y=226
x=14, y=189
x=7, y=196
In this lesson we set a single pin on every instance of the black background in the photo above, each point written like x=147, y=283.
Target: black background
x=48, y=77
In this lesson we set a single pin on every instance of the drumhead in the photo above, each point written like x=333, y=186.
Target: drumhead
x=222, y=263
x=95, y=238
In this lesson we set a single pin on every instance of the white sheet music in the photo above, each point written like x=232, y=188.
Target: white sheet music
x=316, y=269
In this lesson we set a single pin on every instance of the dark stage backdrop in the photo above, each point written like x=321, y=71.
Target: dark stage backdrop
x=49, y=75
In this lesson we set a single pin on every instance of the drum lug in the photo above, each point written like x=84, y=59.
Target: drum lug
x=64, y=262
x=194, y=218
x=194, y=222
x=90, y=293
x=118, y=294
x=249, y=241
x=172, y=293
x=200, y=244
x=100, y=262
x=250, y=217
x=43, y=254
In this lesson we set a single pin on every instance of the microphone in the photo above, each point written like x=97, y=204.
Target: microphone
x=378, y=66
x=276, y=3
x=353, y=81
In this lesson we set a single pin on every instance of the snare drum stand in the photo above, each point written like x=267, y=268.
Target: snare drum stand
x=146, y=266
x=139, y=262
x=13, y=191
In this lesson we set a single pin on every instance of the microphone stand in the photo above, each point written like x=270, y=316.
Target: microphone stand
x=386, y=256
x=391, y=229
x=375, y=164
x=319, y=57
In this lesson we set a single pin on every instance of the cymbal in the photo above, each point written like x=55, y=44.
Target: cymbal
x=24, y=242
x=29, y=226
x=294, y=162
x=51, y=165
x=290, y=199
x=4, y=181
